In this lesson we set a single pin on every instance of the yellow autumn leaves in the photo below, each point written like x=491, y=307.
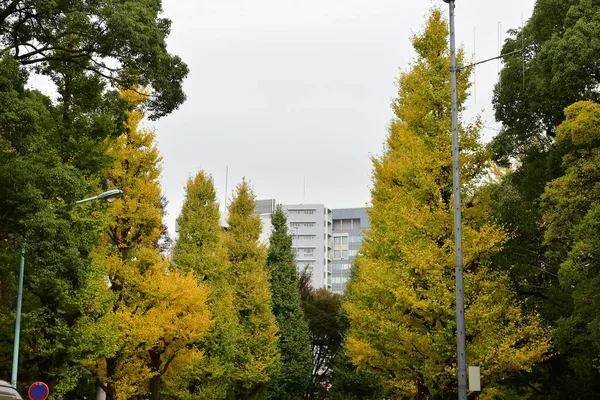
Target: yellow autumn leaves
x=401, y=298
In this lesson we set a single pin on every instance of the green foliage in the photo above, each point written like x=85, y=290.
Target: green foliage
x=561, y=57
x=118, y=42
x=347, y=381
x=321, y=310
x=400, y=301
x=561, y=60
x=291, y=380
x=351, y=384
x=53, y=153
x=572, y=220
x=199, y=248
x=35, y=178
x=256, y=354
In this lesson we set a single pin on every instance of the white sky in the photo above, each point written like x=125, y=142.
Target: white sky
x=291, y=91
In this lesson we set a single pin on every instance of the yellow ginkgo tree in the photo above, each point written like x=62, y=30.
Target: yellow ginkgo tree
x=256, y=353
x=157, y=315
x=200, y=249
x=401, y=298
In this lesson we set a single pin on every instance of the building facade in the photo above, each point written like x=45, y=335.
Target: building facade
x=326, y=241
x=311, y=227
x=349, y=225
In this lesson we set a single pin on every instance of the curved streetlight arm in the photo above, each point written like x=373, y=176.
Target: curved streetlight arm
x=110, y=195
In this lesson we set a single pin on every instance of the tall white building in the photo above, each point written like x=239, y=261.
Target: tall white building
x=311, y=228
x=324, y=240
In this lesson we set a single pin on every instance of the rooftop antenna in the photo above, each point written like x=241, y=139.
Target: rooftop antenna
x=474, y=72
x=499, y=53
x=226, y=178
x=523, y=48
x=304, y=190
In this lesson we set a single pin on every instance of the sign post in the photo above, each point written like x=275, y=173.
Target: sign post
x=38, y=391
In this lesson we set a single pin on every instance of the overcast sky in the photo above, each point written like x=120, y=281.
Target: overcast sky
x=294, y=94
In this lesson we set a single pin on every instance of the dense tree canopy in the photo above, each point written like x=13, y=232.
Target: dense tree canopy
x=120, y=42
x=561, y=67
x=572, y=220
x=34, y=180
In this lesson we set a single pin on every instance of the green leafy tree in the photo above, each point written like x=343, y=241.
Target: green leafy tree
x=200, y=248
x=256, y=354
x=559, y=68
x=401, y=302
x=560, y=64
x=35, y=178
x=117, y=42
x=290, y=381
x=350, y=384
x=321, y=310
x=572, y=220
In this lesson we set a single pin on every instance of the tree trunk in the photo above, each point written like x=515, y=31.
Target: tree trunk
x=155, y=380
x=111, y=366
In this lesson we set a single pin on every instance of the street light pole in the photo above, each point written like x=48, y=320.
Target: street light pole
x=460, y=296
x=110, y=195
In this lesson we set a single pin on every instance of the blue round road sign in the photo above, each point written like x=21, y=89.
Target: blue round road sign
x=38, y=391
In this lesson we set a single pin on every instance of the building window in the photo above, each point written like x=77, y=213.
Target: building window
x=294, y=224
x=345, y=240
x=352, y=253
x=308, y=224
x=306, y=237
x=337, y=224
x=336, y=254
x=303, y=237
x=344, y=253
x=337, y=240
x=309, y=211
x=309, y=250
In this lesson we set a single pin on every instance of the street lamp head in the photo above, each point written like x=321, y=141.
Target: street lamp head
x=110, y=195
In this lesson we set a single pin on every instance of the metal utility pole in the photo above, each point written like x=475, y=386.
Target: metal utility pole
x=460, y=296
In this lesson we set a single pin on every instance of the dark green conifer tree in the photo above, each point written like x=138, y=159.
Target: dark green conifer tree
x=291, y=379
